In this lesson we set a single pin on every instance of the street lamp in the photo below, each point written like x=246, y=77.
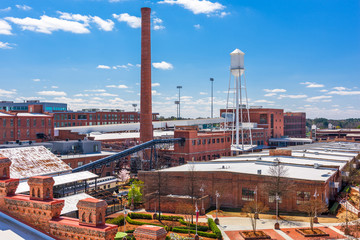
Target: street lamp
x=217, y=194
x=316, y=220
x=277, y=198
x=202, y=199
x=212, y=97
x=179, y=87
x=132, y=197
x=124, y=216
x=134, y=106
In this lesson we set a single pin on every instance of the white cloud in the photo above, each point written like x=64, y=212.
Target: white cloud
x=106, y=94
x=197, y=6
x=318, y=98
x=23, y=7
x=270, y=94
x=197, y=26
x=163, y=65
x=105, y=25
x=36, y=80
x=155, y=84
x=48, y=25
x=54, y=87
x=293, y=96
x=323, y=90
x=5, y=27
x=158, y=27
x=263, y=101
x=130, y=65
x=95, y=90
x=203, y=93
x=158, y=23
x=103, y=67
x=75, y=17
x=276, y=90
x=52, y=93
x=132, y=21
x=5, y=45
x=6, y=93
x=340, y=88
x=81, y=95
x=345, y=93
x=5, y=9
x=117, y=86
x=312, y=84
x=155, y=93
x=138, y=65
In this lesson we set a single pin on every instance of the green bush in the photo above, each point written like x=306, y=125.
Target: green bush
x=117, y=221
x=200, y=228
x=167, y=238
x=169, y=217
x=334, y=208
x=193, y=226
x=129, y=231
x=214, y=228
x=140, y=216
x=134, y=222
x=200, y=233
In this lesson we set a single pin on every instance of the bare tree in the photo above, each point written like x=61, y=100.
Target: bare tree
x=252, y=208
x=192, y=186
x=187, y=210
x=279, y=185
x=312, y=208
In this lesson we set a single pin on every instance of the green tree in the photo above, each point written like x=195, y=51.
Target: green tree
x=135, y=193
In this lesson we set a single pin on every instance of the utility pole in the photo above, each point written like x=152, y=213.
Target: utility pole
x=179, y=87
x=212, y=97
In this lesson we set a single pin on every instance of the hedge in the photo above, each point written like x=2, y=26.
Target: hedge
x=134, y=222
x=199, y=227
x=200, y=233
x=140, y=216
x=334, y=208
x=117, y=221
x=214, y=228
x=168, y=217
x=193, y=226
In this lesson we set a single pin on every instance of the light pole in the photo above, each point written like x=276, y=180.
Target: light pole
x=179, y=87
x=277, y=198
x=132, y=197
x=256, y=204
x=212, y=97
x=124, y=216
x=177, y=108
x=217, y=194
x=202, y=199
x=316, y=220
x=134, y=106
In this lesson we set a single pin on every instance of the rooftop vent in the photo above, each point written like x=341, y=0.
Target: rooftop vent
x=316, y=165
x=259, y=171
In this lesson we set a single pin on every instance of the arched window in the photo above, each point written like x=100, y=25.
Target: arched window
x=47, y=193
x=90, y=216
x=5, y=172
x=38, y=195
x=100, y=218
x=33, y=192
x=83, y=217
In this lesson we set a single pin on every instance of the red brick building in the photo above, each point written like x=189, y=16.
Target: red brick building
x=25, y=126
x=96, y=117
x=198, y=146
x=295, y=124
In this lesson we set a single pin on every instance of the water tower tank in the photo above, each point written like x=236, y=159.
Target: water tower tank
x=237, y=62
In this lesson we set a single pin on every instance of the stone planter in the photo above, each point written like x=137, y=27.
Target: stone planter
x=249, y=235
x=319, y=233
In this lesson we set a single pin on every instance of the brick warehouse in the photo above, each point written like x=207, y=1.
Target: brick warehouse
x=236, y=178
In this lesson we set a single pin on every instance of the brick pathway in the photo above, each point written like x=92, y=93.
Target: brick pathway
x=295, y=235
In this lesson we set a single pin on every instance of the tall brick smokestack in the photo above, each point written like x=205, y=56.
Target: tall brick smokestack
x=146, y=128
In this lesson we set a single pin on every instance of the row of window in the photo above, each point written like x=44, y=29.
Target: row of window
x=249, y=195
x=11, y=133
x=69, y=124
x=27, y=122
x=94, y=116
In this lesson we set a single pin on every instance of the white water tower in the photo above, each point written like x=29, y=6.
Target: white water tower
x=241, y=118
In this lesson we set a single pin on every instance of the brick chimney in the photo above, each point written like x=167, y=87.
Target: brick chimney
x=92, y=212
x=41, y=188
x=8, y=186
x=146, y=128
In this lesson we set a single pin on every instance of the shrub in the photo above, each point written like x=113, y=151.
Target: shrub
x=200, y=233
x=214, y=228
x=134, y=222
x=129, y=231
x=193, y=226
x=140, y=216
x=169, y=217
x=117, y=221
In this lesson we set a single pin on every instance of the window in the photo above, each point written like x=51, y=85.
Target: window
x=11, y=122
x=217, y=140
x=302, y=197
x=19, y=122
x=213, y=141
x=34, y=122
x=193, y=142
x=11, y=133
x=204, y=141
x=80, y=164
x=4, y=134
x=49, y=122
x=27, y=133
x=272, y=199
x=4, y=122
x=42, y=122
x=222, y=140
x=19, y=133
x=199, y=142
x=247, y=194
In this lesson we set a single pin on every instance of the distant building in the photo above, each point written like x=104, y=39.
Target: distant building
x=295, y=124
x=25, y=106
x=345, y=134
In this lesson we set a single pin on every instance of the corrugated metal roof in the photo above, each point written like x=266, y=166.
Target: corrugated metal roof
x=33, y=161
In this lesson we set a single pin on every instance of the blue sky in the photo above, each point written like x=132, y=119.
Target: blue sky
x=300, y=55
